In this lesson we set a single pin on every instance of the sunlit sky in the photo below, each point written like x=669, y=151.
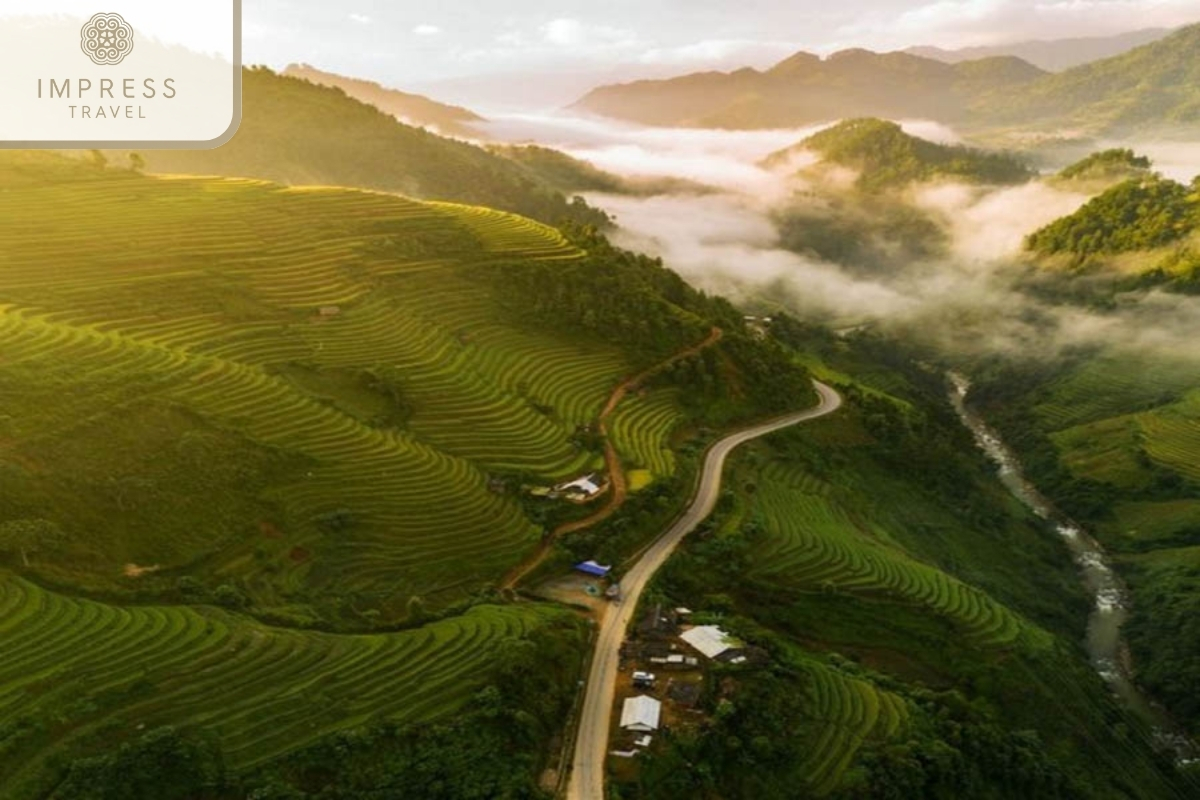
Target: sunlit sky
x=409, y=44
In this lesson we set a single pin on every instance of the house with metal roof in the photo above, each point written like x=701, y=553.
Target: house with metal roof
x=640, y=714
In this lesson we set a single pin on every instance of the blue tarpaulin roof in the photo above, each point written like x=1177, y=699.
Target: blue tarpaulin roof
x=592, y=568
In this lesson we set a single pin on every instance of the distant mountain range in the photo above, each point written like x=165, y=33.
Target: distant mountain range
x=1052, y=55
x=806, y=89
x=1145, y=90
x=413, y=109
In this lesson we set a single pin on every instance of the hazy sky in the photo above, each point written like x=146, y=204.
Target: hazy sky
x=408, y=42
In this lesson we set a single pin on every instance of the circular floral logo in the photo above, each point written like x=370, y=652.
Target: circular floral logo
x=107, y=39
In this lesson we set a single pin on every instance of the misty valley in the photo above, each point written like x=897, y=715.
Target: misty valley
x=672, y=417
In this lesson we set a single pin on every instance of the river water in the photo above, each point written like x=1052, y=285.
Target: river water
x=1110, y=598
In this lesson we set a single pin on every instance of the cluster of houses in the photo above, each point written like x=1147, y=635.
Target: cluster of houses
x=665, y=642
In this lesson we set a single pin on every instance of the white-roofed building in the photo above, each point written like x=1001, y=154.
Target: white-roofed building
x=585, y=486
x=641, y=714
x=710, y=640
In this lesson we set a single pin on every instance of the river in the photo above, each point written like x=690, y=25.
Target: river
x=1110, y=597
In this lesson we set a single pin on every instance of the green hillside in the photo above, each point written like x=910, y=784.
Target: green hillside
x=1112, y=437
x=885, y=157
x=81, y=675
x=274, y=405
x=1106, y=165
x=414, y=109
x=1135, y=215
x=1151, y=89
x=561, y=171
x=299, y=133
x=265, y=453
x=921, y=627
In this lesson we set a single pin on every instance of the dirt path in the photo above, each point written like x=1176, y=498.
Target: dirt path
x=618, y=488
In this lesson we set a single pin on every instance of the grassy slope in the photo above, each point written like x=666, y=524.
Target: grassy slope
x=296, y=132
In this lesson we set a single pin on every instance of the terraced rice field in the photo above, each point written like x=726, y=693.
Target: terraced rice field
x=1114, y=450
x=641, y=429
x=817, y=542
x=348, y=337
x=74, y=668
x=845, y=711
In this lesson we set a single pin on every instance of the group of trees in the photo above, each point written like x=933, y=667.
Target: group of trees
x=636, y=303
x=886, y=157
x=1137, y=214
x=1117, y=162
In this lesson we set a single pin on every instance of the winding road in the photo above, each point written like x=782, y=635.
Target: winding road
x=591, y=742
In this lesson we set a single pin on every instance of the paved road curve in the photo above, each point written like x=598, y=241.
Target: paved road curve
x=591, y=743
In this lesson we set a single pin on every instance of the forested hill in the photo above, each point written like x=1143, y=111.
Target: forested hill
x=1151, y=89
x=1136, y=214
x=887, y=157
x=1107, y=166
x=414, y=109
x=295, y=132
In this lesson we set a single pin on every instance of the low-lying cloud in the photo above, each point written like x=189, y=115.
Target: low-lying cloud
x=971, y=298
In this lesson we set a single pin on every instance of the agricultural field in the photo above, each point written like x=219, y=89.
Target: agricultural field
x=270, y=388
x=845, y=712
x=77, y=673
x=818, y=540
x=641, y=429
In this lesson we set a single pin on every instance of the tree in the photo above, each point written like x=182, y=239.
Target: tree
x=136, y=162
x=28, y=536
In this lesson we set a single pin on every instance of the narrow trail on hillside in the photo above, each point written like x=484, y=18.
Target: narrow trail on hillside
x=618, y=488
x=595, y=719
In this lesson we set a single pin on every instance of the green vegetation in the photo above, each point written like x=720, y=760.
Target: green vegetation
x=1112, y=440
x=411, y=108
x=886, y=157
x=561, y=171
x=922, y=628
x=1149, y=90
x=1106, y=165
x=1137, y=214
x=296, y=132
x=81, y=675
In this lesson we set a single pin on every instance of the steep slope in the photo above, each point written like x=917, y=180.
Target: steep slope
x=298, y=133
x=1052, y=55
x=413, y=109
x=921, y=627
x=321, y=410
x=805, y=89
